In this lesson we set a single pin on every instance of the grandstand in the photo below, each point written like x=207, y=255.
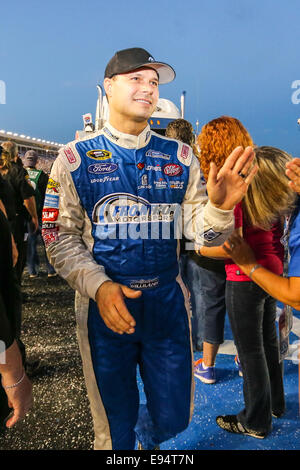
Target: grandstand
x=46, y=150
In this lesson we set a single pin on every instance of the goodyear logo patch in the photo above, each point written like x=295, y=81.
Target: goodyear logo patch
x=99, y=154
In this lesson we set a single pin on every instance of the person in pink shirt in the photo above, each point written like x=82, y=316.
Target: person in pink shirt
x=266, y=243
x=284, y=288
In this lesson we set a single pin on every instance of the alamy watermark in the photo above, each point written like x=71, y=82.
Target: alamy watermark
x=296, y=94
x=123, y=217
x=2, y=92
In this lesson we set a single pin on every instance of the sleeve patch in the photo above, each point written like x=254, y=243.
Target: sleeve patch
x=210, y=235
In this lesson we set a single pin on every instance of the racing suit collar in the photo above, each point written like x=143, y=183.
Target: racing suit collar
x=127, y=140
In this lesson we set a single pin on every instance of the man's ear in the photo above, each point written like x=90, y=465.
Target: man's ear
x=107, y=86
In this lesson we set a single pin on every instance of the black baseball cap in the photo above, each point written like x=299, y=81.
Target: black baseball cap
x=131, y=59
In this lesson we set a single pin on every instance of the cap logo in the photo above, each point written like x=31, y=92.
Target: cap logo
x=151, y=59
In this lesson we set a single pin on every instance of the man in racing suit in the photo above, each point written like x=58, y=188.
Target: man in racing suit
x=110, y=222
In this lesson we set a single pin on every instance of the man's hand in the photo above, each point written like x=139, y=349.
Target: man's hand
x=227, y=187
x=112, y=308
x=293, y=172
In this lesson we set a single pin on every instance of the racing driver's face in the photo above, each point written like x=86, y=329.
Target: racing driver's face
x=132, y=97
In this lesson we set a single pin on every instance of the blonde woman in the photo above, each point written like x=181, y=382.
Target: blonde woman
x=251, y=310
x=286, y=289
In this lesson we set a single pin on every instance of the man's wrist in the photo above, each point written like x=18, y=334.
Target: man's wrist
x=98, y=291
x=220, y=207
x=218, y=218
x=95, y=282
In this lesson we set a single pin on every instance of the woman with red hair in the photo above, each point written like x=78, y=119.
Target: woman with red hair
x=217, y=139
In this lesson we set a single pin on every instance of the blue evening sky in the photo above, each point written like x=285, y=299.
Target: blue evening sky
x=234, y=57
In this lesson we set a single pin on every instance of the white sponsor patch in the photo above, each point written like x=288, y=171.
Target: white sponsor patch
x=144, y=283
x=184, y=154
x=51, y=200
x=157, y=154
x=71, y=157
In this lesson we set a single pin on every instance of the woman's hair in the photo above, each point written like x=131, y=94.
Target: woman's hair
x=182, y=130
x=269, y=195
x=218, y=138
x=9, y=152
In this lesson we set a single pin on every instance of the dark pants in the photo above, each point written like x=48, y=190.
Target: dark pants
x=33, y=260
x=213, y=294
x=252, y=314
x=207, y=290
x=19, y=230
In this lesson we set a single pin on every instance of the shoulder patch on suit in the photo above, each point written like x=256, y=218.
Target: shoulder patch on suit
x=184, y=154
x=70, y=157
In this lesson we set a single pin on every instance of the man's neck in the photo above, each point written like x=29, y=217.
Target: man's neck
x=127, y=126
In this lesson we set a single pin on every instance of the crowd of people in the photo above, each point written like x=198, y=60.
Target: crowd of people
x=143, y=299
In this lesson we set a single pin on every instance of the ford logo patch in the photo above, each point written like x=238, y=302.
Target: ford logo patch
x=102, y=168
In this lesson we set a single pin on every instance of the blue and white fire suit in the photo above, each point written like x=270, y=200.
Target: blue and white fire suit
x=112, y=212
